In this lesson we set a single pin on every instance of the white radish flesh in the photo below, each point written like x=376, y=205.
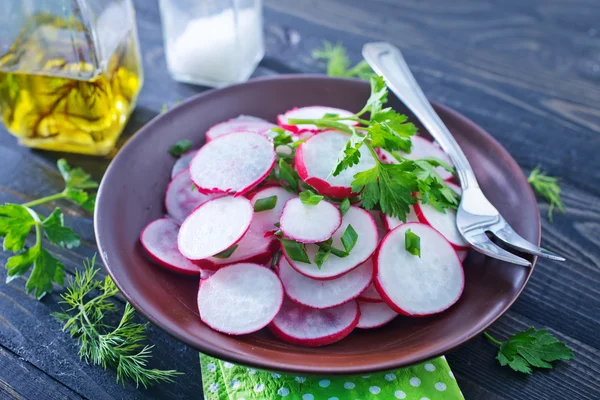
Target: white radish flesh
x=233, y=163
x=239, y=299
x=422, y=148
x=304, y=326
x=159, y=238
x=312, y=112
x=334, y=266
x=241, y=123
x=324, y=294
x=393, y=222
x=309, y=223
x=181, y=198
x=413, y=285
x=370, y=295
x=214, y=227
x=379, y=219
x=258, y=244
x=444, y=223
x=317, y=157
x=374, y=315
x=183, y=163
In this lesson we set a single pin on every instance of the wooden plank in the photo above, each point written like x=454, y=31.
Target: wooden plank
x=21, y=380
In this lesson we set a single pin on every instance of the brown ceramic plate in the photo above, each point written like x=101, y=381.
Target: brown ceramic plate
x=131, y=195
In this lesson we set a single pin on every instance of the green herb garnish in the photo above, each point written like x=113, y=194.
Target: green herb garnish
x=338, y=63
x=268, y=203
x=530, y=348
x=295, y=250
x=18, y=220
x=412, y=243
x=180, y=147
x=349, y=238
x=310, y=198
x=118, y=346
x=387, y=187
x=547, y=187
x=344, y=206
x=321, y=256
x=227, y=252
x=288, y=177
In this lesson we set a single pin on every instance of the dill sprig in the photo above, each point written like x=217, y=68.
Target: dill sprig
x=547, y=187
x=338, y=63
x=117, y=347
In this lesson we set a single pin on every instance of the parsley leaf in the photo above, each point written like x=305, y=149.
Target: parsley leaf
x=412, y=243
x=338, y=62
x=309, y=198
x=267, y=203
x=57, y=232
x=547, y=187
x=15, y=224
x=180, y=147
x=75, y=178
x=530, y=349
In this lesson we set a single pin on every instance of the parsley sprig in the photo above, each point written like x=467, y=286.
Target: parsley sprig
x=530, y=349
x=388, y=187
x=18, y=220
x=117, y=346
x=338, y=63
x=547, y=187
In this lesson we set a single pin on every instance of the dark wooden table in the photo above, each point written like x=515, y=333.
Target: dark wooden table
x=526, y=71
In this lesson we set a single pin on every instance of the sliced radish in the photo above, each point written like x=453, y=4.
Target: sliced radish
x=241, y=123
x=181, y=198
x=257, y=245
x=418, y=286
x=309, y=223
x=422, y=148
x=379, y=219
x=316, y=158
x=334, y=266
x=374, y=315
x=312, y=112
x=159, y=238
x=392, y=222
x=214, y=227
x=235, y=162
x=462, y=255
x=182, y=163
x=239, y=299
x=445, y=223
x=324, y=294
x=304, y=326
x=370, y=295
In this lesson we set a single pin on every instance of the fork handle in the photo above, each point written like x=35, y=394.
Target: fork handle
x=387, y=61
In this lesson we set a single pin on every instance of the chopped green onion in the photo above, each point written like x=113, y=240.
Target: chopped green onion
x=180, y=147
x=309, y=198
x=267, y=203
x=295, y=250
x=344, y=206
x=226, y=253
x=349, y=239
x=412, y=243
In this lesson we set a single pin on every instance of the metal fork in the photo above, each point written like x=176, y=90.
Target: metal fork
x=476, y=215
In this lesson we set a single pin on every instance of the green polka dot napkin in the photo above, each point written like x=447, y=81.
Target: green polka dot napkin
x=432, y=380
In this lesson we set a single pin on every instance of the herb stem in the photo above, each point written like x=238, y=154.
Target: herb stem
x=37, y=202
x=491, y=339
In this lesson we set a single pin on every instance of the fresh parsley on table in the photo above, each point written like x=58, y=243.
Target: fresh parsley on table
x=18, y=220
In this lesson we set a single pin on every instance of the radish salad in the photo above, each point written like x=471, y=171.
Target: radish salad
x=327, y=222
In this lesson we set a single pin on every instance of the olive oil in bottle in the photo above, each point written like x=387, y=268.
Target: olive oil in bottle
x=57, y=94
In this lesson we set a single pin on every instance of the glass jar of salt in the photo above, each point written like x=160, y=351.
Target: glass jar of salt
x=212, y=42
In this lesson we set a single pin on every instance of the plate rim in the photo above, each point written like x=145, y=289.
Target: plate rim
x=233, y=356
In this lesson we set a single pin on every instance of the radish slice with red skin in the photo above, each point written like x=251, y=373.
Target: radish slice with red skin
x=311, y=112
x=462, y=255
x=418, y=286
x=379, y=219
x=182, y=163
x=304, y=326
x=316, y=158
x=393, y=222
x=214, y=227
x=240, y=298
x=309, y=223
x=324, y=294
x=241, y=123
x=445, y=223
x=257, y=245
x=233, y=163
x=334, y=266
x=421, y=148
x=181, y=199
x=370, y=295
x=159, y=238
x=374, y=315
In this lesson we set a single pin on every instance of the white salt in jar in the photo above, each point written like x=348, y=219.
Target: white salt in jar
x=212, y=42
